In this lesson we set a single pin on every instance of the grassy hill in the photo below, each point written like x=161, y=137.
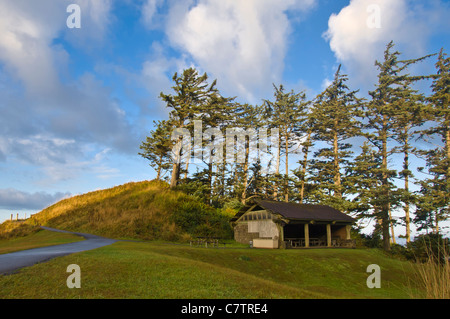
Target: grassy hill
x=141, y=210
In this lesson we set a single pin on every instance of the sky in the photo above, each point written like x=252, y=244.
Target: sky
x=76, y=101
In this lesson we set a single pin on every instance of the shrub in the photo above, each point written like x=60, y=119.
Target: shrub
x=12, y=229
x=198, y=219
x=429, y=246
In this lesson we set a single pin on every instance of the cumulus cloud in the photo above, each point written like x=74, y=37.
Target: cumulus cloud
x=35, y=98
x=11, y=198
x=359, y=33
x=241, y=43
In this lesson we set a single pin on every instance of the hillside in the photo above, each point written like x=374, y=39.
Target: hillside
x=140, y=210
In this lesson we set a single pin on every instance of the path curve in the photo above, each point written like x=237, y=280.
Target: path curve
x=11, y=262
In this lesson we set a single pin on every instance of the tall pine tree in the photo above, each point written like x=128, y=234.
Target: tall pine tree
x=434, y=204
x=392, y=78
x=287, y=113
x=157, y=147
x=336, y=114
x=192, y=93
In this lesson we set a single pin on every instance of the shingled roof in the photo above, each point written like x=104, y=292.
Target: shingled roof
x=295, y=211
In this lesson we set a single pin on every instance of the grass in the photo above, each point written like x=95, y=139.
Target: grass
x=434, y=274
x=36, y=239
x=173, y=271
x=146, y=210
x=158, y=269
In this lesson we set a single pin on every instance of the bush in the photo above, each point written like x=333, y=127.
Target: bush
x=198, y=219
x=428, y=246
x=13, y=229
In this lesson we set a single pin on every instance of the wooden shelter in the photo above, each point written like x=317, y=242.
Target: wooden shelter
x=273, y=224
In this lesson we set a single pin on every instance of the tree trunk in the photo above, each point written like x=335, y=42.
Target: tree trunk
x=305, y=161
x=244, y=192
x=337, y=174
x=277, y=169
x=385, y=185
x=175, y=175
x=158, y=172
x=286, y=179
x=406, y=168
x=392, y=226
x=187, y=167
x=447, y=144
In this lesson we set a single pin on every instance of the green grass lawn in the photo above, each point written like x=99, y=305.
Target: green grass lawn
x=161, y=270
x=39, y=239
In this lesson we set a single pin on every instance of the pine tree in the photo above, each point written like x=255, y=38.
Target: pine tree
x=434, y=204
x=336, y=112
x=364, y=173
x=409, y=114
x=306, y=143
x=192, y=93
x=286, y=113
x=157, y=147
x=392, y=78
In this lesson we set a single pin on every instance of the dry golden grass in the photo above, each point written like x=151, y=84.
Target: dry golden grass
x=434, y=275
x=143, y=210
x=12, y=229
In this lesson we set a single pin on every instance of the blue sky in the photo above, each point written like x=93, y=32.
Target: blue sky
x=75, y=104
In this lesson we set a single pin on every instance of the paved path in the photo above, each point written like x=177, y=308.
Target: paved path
x=11, y=262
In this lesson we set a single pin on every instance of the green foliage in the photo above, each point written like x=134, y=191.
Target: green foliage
x=199, y=219
x=429, y=246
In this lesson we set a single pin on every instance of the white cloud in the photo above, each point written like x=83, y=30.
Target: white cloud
x=11, y=198
x=150, y=13
x=357, y=42
x=241, y=43
x=80, y=108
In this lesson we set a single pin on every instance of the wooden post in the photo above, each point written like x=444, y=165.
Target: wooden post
x=329, y=235
x=306, y=235
x=11, y=217
x=17, y=216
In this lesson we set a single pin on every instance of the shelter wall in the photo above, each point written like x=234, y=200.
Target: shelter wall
x=249, y=230
x=339, y=231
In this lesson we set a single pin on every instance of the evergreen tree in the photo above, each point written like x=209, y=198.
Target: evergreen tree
x=306, y=143
x=336, y=112
x=287, y=113
x=392, y=78
x=364, y=173
x=434, y=204
x=157, y=147
x=409, y=113
x=192, y=93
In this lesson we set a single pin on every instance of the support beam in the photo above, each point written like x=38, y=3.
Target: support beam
x=328, y=235
x=306, y=235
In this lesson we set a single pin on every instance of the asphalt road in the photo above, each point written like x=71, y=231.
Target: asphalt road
x=9, y=263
